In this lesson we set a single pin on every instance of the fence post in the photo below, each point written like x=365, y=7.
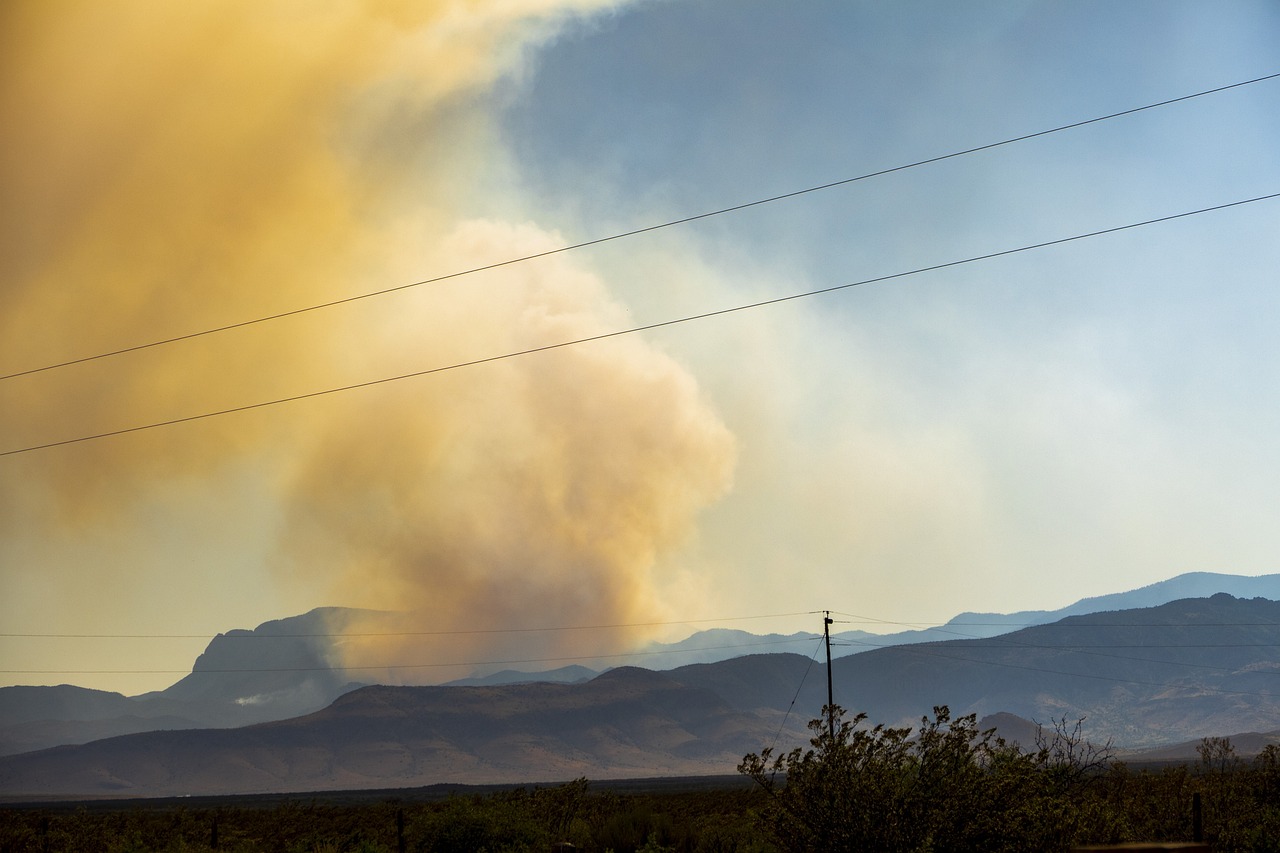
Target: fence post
x=1197, y=819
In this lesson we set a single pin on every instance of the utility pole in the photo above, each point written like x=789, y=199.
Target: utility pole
x=831, y=705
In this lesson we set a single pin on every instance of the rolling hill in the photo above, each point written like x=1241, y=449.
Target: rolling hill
x=626, y=723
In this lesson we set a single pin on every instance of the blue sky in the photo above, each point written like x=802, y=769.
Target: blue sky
x=1011, y=434
x=1015, y=433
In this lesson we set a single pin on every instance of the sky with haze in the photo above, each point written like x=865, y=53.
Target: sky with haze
x=1013, y=433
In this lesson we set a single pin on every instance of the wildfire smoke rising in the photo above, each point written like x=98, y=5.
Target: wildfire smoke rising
x=522, y=493
x=173, y=167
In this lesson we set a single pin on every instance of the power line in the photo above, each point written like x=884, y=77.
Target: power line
x=1006, y=641
x=1002, y=644
x=638, y=231
x=644, y=328
x=981, y=641
x=450, y=633
x=436, y=665
x=796, y=698
x=251, y=635
x=927, y=649
x=913, y=649
x=940, y=627
x=994, y=642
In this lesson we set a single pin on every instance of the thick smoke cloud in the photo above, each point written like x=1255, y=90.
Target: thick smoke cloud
x=173, y=167
x=517, y=494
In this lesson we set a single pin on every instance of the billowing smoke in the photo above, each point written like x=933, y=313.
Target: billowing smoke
x=169, y=168
x=522, y=493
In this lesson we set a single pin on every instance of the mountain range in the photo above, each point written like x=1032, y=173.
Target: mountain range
x=722, y=643
x=287, y=667
x=1144, y=677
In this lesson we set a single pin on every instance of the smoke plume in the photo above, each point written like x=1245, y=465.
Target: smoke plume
x=170, y=168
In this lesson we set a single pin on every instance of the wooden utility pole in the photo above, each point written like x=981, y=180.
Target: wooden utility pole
x=831, y=705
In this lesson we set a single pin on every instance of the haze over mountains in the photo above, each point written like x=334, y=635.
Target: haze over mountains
x=720, y=643
x=1152, y=676
x=288, y=667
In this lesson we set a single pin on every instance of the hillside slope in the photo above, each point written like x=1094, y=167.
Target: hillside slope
x=1179, y=671
x=626, y=723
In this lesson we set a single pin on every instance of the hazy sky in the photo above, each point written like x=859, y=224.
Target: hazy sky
x=1011, y=434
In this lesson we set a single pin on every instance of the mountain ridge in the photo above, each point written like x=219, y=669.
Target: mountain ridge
x=1186, y=585
x=1186, y=669
x=289, y=667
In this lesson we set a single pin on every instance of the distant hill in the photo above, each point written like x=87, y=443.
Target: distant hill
x=1245, y=745
x=1189, y=585
x=37, y=717
x=29, y=704
x=626, y=723
x=1145, y=677
x=1017, y=731
x=564, y=675
x=281, y=669
x=717, y=644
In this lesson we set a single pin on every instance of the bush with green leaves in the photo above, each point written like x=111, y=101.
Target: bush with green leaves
x=948, y=787
x=944, y=787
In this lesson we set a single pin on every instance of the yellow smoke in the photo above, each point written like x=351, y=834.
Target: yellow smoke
x=170, y=167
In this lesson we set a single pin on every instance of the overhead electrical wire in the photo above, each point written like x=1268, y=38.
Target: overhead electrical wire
x=999, y=642
x=449, y=633
x=934, y=628
x=1003, y=642
x=949, y=627
x=245, y=634
x=433, y=665
x=634, y=329
x=1003, y=645
x=940, y=626
x=638, y=231
x=926, y=649
x=911, y=648
x=796, y=698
